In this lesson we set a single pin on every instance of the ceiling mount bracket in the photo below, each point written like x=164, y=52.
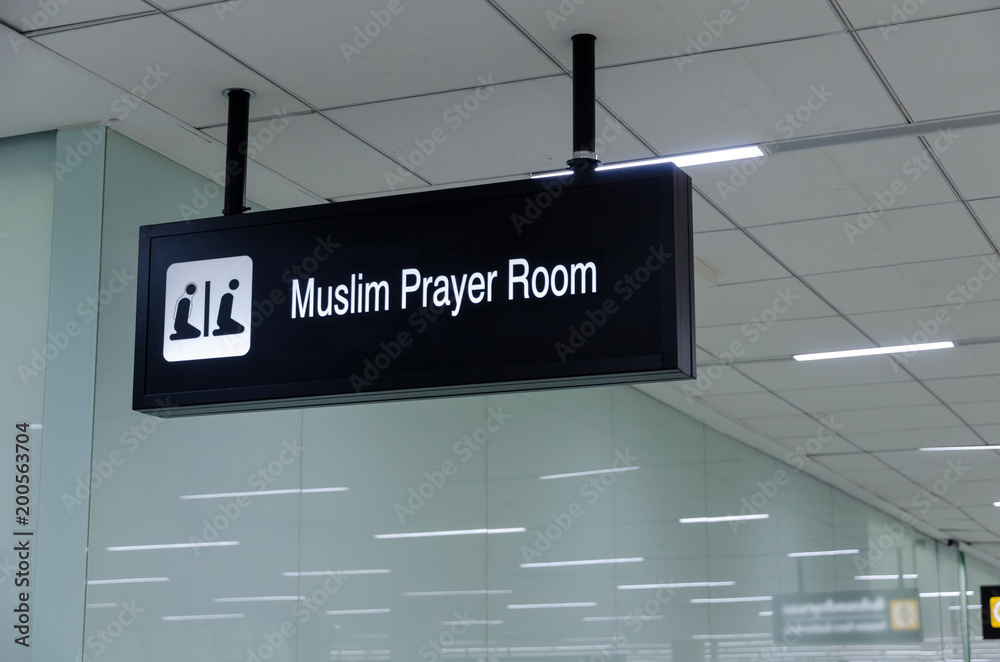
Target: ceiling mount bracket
x=237, y=136
x=584, y=157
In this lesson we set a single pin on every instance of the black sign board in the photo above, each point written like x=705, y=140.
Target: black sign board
x=847, y=618
x=990, y=596
x=578, y=280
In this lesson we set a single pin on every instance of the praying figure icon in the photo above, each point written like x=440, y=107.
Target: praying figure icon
x=183, y=329
x=227, y=325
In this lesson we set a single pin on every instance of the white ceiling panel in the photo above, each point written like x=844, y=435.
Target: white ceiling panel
x=628, y=31
x=172, y=68
x=797, y=426
x=730, y=381
x=889, y=13
x=969, y=160
x=321, y=156
x=990, y=433
x=736, y=258
x=36, y=84
x=897, y=236
x=29, y=15
x=491, y=138
x=933, y=465
x=750, y=405
x=739, y=304
x=424, y=48
x=833, y=181
x=978, y=413
x=706, y=217
x=851, y=462
x=976, y=491
x=782, y=338
x=861, y=396
x=885, y=419
x=937, y=67
x=988, y=211
x=788, y=375
x=966, y=389
x=955, y=362
x=743, y=96
x=911, y=439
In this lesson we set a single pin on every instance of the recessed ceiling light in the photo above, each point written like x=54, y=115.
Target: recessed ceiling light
x=130, y=580
x=554, y=605
x=874, y=351
x=438, y=534
x=724, y=518
x=942, y=449
x=202, y=617
x=711, y=601
x=226, y=495
x=180, y=545
x=595, y=472
x=627, y=617
x=480, y=622
x=680, y=160
x=638, y=587
x=434, y=594
x=875, y=578
x=265, y=598
x=945, y=594
x=322, y=573
x=558, y=564
x=825, y=552
x=353, y=612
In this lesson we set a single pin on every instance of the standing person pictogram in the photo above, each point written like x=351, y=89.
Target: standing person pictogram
x=183, y=329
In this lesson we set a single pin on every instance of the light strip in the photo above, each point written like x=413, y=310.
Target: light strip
x=225, y=495
x=437, y=534
x=101, y=605
x=131, y=580
x=559, y=564
x=945, y=594
x=874, y=351
x=266, y=598
x=827, y=552
x=957, y=608
x=202, y=617
x=638, y=587
x=765, y=613
x=680, y=160
x=710, y=601
x=875, y=578
x=640, y=617
x=471, y=622
x=554, y=605
x=431, y=594
x=351, y=612
x=324, y=573
x=752, y=635
x=595, y=472
x=725, y=518
x=181, y=545
x=942, y=449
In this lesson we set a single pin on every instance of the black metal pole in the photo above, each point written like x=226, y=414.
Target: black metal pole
x=584, y=117
x=237, y=132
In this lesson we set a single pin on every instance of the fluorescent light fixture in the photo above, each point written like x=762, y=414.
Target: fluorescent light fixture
x=471, y=622
x=353, y=612
x=334, y=573
x=130, y=580
x=874, y=351
x=101, y=605
x=180, y=545
x=554, y=605
x=752, y=635
x=875, y=578
x=438, y=534
x=826, y=552
x=226, y=495
x=595, y=472
x=945, y=594
x=724, y=518
x=433, y=594
x=957, y=607
x=202, y=617
x=765, y=613
x=265, y=598
x=943, y=449
x=639, y=587
x=680, y=160
x=559, y=564
x=712, y=601
x=641, y=617
x=693, y=159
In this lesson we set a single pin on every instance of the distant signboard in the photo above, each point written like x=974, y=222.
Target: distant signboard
x=991, y=611
x=847, y=617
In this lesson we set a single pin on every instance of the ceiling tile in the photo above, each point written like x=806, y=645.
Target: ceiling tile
x=978, y=413
x=321, y=156
x=170, y=67
x=739, y=304
x=832, y=181
x=797, y=426
x=888, y=13
x=706, y=217
x=851, y=462
x=970, y=160
x=899, y=235
x=628, y=31
x=750, y=405
x=422, y=49
x=966, y=389
x=735, y=257
x=859, y=396
x=29, y=15
x=956, y=362
x=489, y=137
x=937, y=67
x=787, y=375
x=885, y=419
x=748, y=95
